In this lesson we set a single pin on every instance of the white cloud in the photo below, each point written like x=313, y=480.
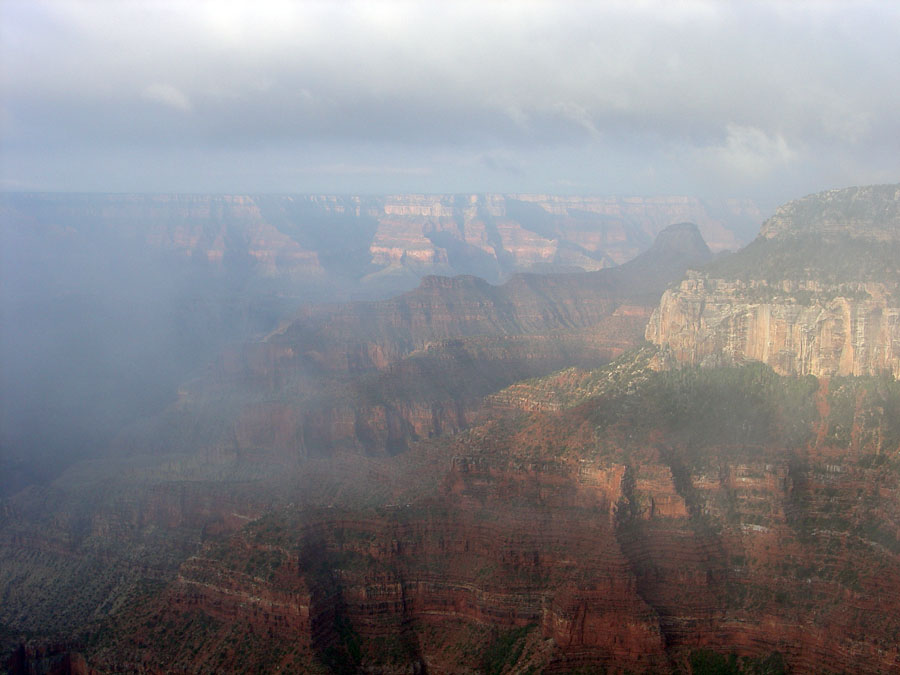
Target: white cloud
x=167, y=95
x=367, y=169
x=742, y=88
x=749, y=152
x=578, y=115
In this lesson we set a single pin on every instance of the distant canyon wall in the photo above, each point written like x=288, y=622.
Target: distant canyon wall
x=528, y=230
x=379, y=240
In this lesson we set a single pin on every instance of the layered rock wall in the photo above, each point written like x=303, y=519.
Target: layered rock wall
x=830, y=331
x=302, y=237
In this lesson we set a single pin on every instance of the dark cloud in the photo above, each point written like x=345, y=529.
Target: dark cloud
x=700, y=96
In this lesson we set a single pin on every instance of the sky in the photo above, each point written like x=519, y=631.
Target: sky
x=767, y=101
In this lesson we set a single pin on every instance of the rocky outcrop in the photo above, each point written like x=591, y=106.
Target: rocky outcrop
x=713, y=321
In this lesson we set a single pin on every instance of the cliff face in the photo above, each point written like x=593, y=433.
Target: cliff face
x=816, y=293
x=342, y=384
x=491, y=234
x=303, y=507
x=713, y=321
x=375, y=334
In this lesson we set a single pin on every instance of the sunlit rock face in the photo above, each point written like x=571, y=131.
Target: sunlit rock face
x=714, y=321
x=815, y=294
x=352, y=493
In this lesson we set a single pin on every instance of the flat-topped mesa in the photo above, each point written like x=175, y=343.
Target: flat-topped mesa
x=815, y=294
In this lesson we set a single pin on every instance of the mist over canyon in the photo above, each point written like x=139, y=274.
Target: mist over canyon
x=399, y=337
x=110, y=302
x=450, y=434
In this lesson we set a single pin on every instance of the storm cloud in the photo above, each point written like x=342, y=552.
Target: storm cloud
x=713, y=99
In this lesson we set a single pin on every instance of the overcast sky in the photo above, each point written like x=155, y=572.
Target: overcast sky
x=760, y=100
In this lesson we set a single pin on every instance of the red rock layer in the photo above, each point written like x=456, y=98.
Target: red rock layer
x=603, y=551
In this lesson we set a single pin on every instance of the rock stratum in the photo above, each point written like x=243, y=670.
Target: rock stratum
x=815, y=294
x=664, y=519
x=307, y=415
x=714, y=321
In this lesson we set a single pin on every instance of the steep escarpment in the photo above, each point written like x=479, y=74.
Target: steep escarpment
x=441, y=308
x=477, y=540
x=816, y=293
x=494, y=235
x=851, y=329
x=374, y=488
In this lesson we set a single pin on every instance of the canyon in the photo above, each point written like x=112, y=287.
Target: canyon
x=292, y=416
x=605, y=534
x=683, y=463
x=112, y=301
x=372, y=377
x=381, y=242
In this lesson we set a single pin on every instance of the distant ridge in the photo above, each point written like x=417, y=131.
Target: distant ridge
x=869, y=212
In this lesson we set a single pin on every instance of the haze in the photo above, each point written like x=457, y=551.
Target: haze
x=418, y=337
x=758, y=100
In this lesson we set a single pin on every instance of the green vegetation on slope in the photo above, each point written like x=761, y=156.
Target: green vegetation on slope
x=708, y=662
x=735, y=408
x=838, y=259
x=505, y=650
